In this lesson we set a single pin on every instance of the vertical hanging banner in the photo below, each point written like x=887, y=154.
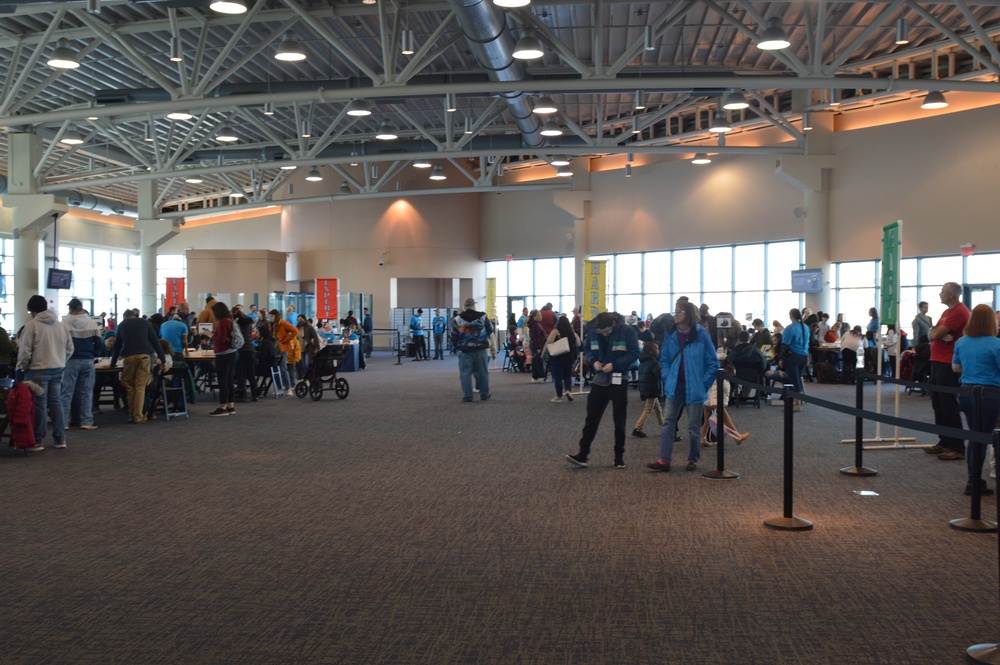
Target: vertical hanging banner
x=595, y=279
x=175, y=292
x=891, y=242
x=326, y=299
x=491, y=297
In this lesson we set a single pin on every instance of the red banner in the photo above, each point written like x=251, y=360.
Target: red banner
x=175, y=293
x=326, y=299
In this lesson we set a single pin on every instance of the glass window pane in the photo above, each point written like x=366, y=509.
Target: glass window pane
x=629, y=273
x=778, y=304
x=982, y=269
x=750, y=267
x=718, y=269
x=102, y=258
x=569, y=278
x=547, y=274
x=521, y=278
x=854, y=305
x=658, y=303
x=656, y=276
x=908, y=272
x=940, y=269
x=782, y=259
x=856, y=273
x=907, y=309
x=626, y=304
x=749, y=304
x=719, y=302
x=498, y=270
x=687, y=272
x=566, y=305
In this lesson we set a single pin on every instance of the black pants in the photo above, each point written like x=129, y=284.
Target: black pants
x=849, y=359
x=246, y=371
x=224, y=366
x=946, y=411
x=597, y=402
x=420, y=347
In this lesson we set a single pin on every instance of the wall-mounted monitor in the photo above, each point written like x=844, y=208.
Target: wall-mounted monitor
x=807, y=281
x=60, y=279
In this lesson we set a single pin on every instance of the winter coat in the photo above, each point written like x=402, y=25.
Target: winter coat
x=700, y=365
x=45, y=343
x=84, y=333
x=650, y=383
x=620, y=348
x=471, y=331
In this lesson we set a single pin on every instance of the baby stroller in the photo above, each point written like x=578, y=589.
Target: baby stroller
x=323, y=374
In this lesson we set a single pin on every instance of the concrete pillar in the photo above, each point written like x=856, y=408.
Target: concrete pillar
x=153, y=233
x=577, y=203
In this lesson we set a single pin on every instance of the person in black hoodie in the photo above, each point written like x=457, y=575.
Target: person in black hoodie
x=650, y=386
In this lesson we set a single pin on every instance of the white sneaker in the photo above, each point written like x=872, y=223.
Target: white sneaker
x=556, y=399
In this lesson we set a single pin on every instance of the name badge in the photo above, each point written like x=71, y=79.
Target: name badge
x=616, y=378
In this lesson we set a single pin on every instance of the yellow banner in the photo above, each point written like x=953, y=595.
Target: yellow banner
x=595, y=294
x=491, y=297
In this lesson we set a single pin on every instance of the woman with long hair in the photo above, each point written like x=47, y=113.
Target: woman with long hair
x=562, y=364
x=225, y=358
x=977, y=359
x=536, y=337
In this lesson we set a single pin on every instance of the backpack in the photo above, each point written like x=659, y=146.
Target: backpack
x=236, y=340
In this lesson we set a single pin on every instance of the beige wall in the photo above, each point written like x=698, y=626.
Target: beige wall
x=235, y=271
x=259, y=230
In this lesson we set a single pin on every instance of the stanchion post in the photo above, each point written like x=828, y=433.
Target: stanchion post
x=989, y=652
x=720, y=472
x=975, y=522
x=788, y=522
x=859, y=469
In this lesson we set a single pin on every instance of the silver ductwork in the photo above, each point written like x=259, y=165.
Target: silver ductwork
x=88, y=202
x=485, y=27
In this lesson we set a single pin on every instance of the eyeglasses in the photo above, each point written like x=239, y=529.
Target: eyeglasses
x=679, y=311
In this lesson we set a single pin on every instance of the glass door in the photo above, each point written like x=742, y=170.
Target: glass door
x=978, y=294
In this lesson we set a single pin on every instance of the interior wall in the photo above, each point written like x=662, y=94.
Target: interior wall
x=422, y=292
x=235, y=271
x=77, y=231
x=237, y=231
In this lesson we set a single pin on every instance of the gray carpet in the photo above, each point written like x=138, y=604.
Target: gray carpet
x=404, y=526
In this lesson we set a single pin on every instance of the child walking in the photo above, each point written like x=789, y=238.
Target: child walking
x=650, y=386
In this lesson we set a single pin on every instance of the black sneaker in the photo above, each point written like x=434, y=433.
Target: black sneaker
x=231, y=410
x=578, y=460
x=639, y=434
x=619, y=463
x=692, y=465
x=984, y=489
x=219, y=412
x=658, y=466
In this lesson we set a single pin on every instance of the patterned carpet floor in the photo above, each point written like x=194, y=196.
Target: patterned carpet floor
x=403, y=526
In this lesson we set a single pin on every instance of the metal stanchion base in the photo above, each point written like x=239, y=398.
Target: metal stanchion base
x=858, y=471
x=788, y=524
x=977, y=526
x=720, y=475
x=984, y=653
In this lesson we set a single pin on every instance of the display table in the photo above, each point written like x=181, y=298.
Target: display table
x=348, y=354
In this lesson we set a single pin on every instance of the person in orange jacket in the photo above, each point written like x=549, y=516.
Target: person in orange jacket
x=284, y=333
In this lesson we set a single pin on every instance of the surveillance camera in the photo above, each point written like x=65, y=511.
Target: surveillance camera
x=381, y=262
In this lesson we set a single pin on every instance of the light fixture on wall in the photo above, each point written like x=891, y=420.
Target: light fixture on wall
x=773, y=38
x=314, y=175
x=902, y=31
x=934, y=100
x=437, y=173
x=701, y=158
x=63, y=57
x=544, y=105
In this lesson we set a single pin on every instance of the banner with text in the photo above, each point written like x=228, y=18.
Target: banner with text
x=326, y=299
x=491, y=297
x=891, y=241
x=595, y=281
x=175, y=293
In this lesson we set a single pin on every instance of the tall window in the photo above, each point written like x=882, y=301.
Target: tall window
x=105, y=281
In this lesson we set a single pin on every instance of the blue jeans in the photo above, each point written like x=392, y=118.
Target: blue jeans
x=670, y=414
x=469, y=362
x=989, y=411
x=794, y=365
x=78, y=384
x=51, y=399
x=562, y=374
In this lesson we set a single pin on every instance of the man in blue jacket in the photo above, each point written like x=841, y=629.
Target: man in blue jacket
x=611, y=347
x=688, y=364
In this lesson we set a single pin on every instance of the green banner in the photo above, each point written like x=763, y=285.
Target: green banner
x=889, y=309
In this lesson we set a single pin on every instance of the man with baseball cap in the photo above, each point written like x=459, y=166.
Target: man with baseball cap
x=78, y=379
x=470, y=333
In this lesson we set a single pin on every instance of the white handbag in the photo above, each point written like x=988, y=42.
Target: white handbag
x=559, y=347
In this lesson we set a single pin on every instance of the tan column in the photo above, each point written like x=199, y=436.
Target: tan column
x=153, y=233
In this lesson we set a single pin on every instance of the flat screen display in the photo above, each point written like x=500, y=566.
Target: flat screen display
x=807, y=281
x=60, y=279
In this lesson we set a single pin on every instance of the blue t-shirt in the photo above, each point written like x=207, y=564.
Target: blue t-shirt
x=796, y=337
x=980, y=360
x=172, y=331
x=438, y=323
x=417, y=325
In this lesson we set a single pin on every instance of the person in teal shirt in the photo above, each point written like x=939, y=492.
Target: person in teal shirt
x=417, y=332
x=438, y=323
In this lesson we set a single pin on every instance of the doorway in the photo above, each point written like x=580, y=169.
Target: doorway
x=978, y=294
x=514, y=306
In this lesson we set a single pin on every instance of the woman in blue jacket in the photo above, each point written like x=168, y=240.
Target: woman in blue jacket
x=688, y=365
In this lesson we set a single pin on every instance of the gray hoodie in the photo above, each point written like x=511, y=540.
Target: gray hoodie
x=44, y=343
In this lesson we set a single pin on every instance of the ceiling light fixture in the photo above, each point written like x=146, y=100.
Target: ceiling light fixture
x=437, y=173
x=368, y=2
x=511, y=3
x=268, y=108
x=421, y=163
x=287, y=167
x=194, y=180
x=640, y=100
x=719, y=124
x=635, y=126
x=306, y=131
x=528, y=48
x=72, y=137
x=550, y=128
x=468, y=126
x=564, y=172
x=226, y=135
x=179, y=115
x=934, y=100
x=647, y=38
x=345, y=188
x=147, y=135
x=449, y=102
x=807, y=121
x=386, y=132
x=314, y=175
x=544, y=105
x=228, y=6
x=560, y=160
x=359, y=108
x=902, y=31
x=773, y=38
x=408, y=42
x=175, y=50
x=290, y=50
x=628, y=170
x=701, y=158
x=735, y=101
x=834, y=97
x=63, y=57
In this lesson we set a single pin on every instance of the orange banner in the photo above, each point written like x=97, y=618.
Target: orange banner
x=175, y=293
x=326, y=299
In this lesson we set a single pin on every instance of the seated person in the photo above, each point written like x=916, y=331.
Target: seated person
x=109, y=379
x=761, y=336
x=516, y=349
x=350, y=333
x=747, y=360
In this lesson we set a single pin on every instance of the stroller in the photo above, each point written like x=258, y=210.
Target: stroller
x=323, y=374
